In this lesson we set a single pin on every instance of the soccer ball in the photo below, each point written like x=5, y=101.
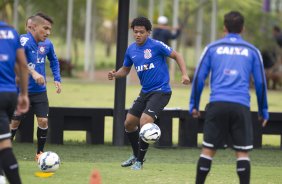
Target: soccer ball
x=49, y=161
x=150, y=133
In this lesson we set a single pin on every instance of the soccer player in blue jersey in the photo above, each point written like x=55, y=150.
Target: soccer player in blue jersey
x=232, y=61
x=11, y=52
x=148, y=57
x=37, y=47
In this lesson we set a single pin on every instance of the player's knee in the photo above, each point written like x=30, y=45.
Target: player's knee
x=42, y=122
x=130, y=126
x=242, y=154
x=146, y=119
x=5, y=143
x=15, y=124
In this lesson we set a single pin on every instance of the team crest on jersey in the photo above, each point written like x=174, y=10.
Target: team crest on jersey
x=147, y=54
x=41, y=49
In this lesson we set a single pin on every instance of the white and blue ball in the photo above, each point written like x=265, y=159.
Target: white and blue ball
x=150, y=133
x=49, y=162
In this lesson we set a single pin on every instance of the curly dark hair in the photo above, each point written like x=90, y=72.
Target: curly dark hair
x=234, y=22
x=141, y=21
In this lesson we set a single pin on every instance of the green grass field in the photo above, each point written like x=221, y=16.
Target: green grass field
x=171, y=166
x=162, y=166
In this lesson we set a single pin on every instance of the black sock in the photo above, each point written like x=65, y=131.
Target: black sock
x=244, y=170
x=133, y=139
x=203, y=168
x=10, y=166
x=13, y=132
x=1, y=171
x=41, y=139
x=143, y=147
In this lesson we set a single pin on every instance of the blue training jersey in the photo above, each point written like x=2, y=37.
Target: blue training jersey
x=150, y=64
x=232, y=61
x=36, y=57
x=9, y=44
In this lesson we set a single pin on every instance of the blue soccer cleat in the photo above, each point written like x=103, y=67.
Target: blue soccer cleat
x=129, y=162
x=137, y=166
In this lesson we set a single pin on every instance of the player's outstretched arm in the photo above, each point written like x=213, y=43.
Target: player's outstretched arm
x=122, y=72
x=181, y=64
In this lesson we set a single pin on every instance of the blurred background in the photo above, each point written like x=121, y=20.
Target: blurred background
x=85, y=31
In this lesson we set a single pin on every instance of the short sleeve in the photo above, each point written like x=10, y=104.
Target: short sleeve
x=127, y=60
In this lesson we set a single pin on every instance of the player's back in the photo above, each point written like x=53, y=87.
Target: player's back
x=232, y=62
x=9, y=41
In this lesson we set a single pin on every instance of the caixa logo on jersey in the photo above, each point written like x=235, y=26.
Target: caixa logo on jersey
x=147, y=54
x=40, y=60
x=145, y=67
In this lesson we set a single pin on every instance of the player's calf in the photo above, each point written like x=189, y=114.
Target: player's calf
x=203, y=168
x=244, y=170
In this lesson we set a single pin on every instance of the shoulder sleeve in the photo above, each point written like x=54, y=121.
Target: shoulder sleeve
x=163, y=48
x=127, y=60
x=23, y=40
x=199, y=78
x=260, y=84
x=17, y=40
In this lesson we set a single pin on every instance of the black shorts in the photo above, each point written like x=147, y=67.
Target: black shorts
x=151, y=103
x=8, y=102
x=39, y=105
x=224, y=119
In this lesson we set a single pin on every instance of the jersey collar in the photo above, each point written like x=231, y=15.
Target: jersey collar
x=229, y=35
x=140, y=46
x=32, y=38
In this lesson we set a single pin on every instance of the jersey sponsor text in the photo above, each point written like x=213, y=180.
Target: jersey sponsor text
x=6, y=34
x=145, y=67
x=232, y=51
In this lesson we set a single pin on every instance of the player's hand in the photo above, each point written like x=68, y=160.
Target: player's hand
x=39, y=79
x=23, y=104
x=263, y=121
x=185, y=80
x=58, y=87
x=196, y=113
x=111, y=75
